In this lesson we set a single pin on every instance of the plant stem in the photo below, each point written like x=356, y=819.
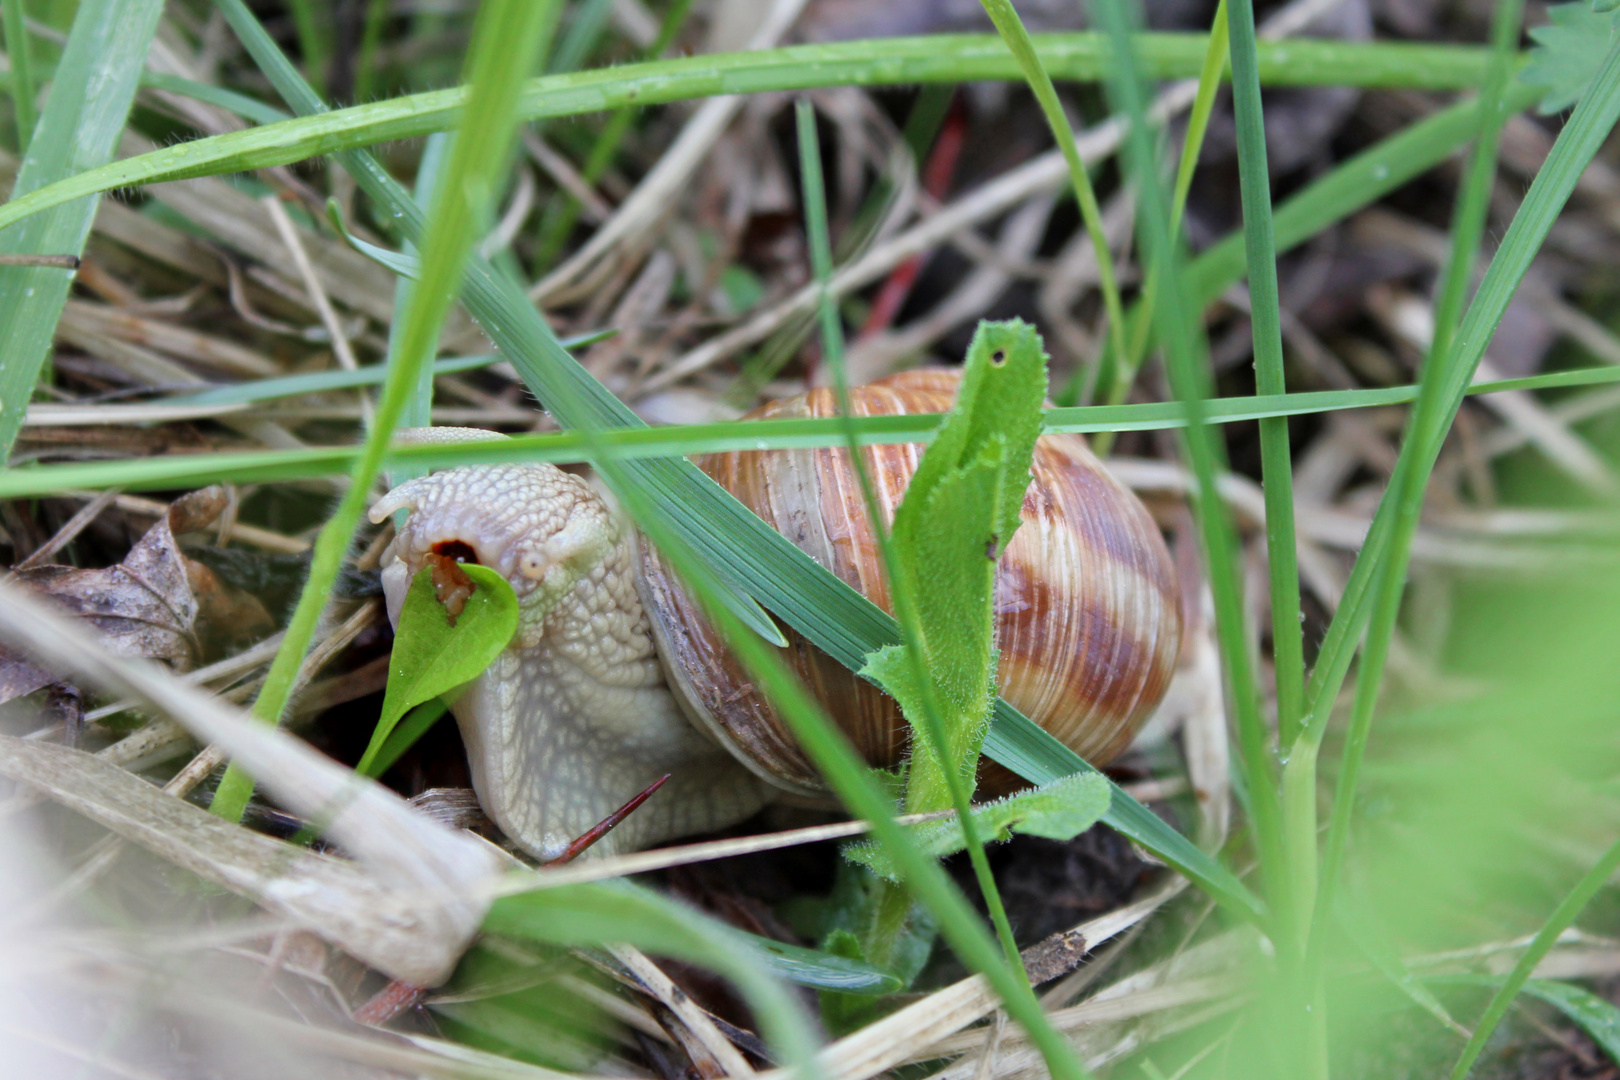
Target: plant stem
x=1447, y=375
x=20, y=54
x=893, y=904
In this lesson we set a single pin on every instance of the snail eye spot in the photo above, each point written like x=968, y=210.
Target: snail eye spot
x=532, y=567
x=456, y=550
x=998, y=357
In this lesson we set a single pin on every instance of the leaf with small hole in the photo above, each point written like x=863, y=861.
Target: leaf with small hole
x=432, y=656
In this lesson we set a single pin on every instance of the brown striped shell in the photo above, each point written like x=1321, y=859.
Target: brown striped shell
x=1088, y=615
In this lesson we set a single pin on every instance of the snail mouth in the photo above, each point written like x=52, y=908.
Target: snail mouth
x=451, y=584
x=444, y=559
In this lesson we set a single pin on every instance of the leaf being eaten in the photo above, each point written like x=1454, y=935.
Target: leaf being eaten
x=435, y=650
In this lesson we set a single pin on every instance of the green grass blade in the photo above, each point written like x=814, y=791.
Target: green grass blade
x=1473, y=203
x=562, y=213
x=316, y=382
x=1012, y=31
x=1356, y=183
x=1117, y=386
x=90, y=98
x=585, y=28
x=888, y=62
x=240, y=104
x=742, y=551
x=149, y=473
x=507, y=40
x=20, y=55
x=1265, y=318
x=1440, y=396
x=1560, y=920
x=1188, y=367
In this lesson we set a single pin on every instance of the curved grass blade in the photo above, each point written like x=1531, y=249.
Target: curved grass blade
x=896, y=61
x=1561, y=918
x=603, y=914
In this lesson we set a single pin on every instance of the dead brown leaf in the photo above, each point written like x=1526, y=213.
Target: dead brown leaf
x=157, y=603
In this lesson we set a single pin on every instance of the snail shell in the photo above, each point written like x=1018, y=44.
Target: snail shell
x=1088, y=617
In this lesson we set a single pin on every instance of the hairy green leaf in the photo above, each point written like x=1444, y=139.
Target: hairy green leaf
x=1061, y=810
x=960, y=512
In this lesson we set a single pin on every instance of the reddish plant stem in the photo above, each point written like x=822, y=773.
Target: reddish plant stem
x=606, y=825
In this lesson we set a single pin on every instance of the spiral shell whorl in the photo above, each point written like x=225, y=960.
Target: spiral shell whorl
x=1088, y=614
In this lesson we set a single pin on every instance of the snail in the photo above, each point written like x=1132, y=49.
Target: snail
x=614, y=678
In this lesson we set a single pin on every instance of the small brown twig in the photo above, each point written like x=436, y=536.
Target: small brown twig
x=606, y=825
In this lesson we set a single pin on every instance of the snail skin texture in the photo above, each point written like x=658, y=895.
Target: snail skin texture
x=614, y=679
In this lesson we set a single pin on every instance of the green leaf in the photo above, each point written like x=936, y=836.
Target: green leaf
x=433, y=654
x=603, y=914
x=1060, y=810
x=1568, y=52
x=847, y=974
x=959, y=513
x=1596, y=1016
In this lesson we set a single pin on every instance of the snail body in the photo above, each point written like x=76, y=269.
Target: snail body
x=615, y=678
